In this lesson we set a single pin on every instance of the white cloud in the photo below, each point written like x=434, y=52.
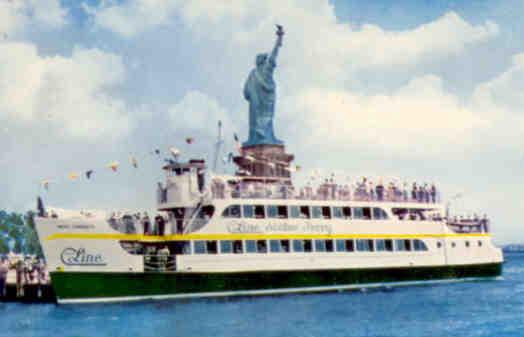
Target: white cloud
x=198, y=112
x=73, y=94
x=15, y=15
x=418, y=118
x=317, y=39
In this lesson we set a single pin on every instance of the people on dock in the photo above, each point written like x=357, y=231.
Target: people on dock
x=4, y=269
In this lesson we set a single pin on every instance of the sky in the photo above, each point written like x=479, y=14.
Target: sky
x=426, y=91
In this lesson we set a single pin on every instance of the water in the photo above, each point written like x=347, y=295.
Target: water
x=484, y=308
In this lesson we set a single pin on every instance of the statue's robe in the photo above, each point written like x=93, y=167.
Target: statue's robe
x=259, y=90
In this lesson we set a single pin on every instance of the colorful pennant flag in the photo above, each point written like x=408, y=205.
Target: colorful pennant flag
x=73, y=176
x=174, y=151
x=113, y=166
x=134, y=162
x=89, y=173
x=189, y=140
x=237, y=142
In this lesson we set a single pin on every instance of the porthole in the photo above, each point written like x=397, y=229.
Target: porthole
x=480, y=243
x=467, y=243
x=453, y=244
x=439, y=244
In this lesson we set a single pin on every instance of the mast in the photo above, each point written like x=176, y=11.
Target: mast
x=218, y=146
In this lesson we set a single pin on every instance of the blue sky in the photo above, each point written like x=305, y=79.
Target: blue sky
x=428, y=91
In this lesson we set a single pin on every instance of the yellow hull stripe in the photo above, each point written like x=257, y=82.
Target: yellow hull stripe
x=186, y=237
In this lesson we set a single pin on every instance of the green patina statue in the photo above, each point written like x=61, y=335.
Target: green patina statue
x=259, y=90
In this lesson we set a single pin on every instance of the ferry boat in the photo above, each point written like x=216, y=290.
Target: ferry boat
x=254, y=233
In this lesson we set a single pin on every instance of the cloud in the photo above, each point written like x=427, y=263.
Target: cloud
x=16, y=15
x=317, y=38
x=419, y=118
x=198, y=112
x=72, y=94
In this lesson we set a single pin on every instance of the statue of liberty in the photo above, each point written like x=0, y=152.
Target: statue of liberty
x=259, y=90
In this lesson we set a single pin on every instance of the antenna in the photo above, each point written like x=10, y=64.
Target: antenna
x=218, y=146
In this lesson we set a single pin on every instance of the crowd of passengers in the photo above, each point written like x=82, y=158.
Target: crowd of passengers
x=364, y=190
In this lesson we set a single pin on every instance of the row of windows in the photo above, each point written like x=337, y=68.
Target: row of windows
x=304, y=212
x=304, y=246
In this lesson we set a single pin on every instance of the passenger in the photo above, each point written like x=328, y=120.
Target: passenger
x=146, y=224
x=19, y=278
x=4, y=269
x=433, y=193
x=414, y=192
x=405, y=191
x=371, y=190
x=420, y=194
x=426, y=193
x=380, y=190
x=160, y=224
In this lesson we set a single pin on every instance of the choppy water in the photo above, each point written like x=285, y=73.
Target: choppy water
x=487, y=308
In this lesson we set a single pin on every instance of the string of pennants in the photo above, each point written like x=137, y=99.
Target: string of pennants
x=113, y=166
x=175, y=152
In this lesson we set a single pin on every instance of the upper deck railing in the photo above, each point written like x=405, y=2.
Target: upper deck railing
x=254, y=190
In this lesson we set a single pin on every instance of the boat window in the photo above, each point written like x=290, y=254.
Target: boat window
x=294, y=212
x=439, y=244
x=316, y=212
x=467, y=243
x=274, y=246
x=419, y=245
x=364, y=245
x=199, y=247
x=251, y=246
x=324, y=245
x=400, y=213
x=206, y=212
x=480, y=243
x=384, y=245
x=304, y=212
x=379, y=214
x=186, y=247
x=282, y=212
x=279, y=246
x=337, y=213
x=367, y=213
x=259, y=212
x=226, y=247
x=261, y=246
x=347, y=212
x=345, y=245
x=272, y=211
x=211, y=247
x=237, y=247
x=326, y=212
x=402, y=245
x=358, y=213
x=298, y=246
x=302, y=246
x=453, y=244
x=248, y=210
x=320, y=246
x=232, y=211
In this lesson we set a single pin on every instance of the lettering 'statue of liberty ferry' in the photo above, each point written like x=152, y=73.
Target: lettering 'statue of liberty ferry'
x=254, y=233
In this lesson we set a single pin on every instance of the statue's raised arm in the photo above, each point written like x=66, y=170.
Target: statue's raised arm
x=278, y=44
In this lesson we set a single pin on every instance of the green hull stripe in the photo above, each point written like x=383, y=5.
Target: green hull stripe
x=76, y=285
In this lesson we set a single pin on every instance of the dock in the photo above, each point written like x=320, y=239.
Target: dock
x=32, y=292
